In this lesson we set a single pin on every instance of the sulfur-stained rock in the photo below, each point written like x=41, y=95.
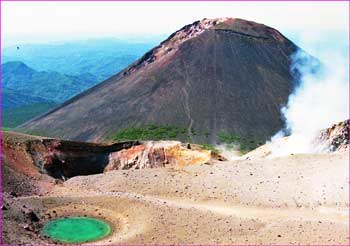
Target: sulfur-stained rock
x=64, y=159
x=153, y=154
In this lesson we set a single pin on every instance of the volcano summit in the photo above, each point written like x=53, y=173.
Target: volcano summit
x=215, y=75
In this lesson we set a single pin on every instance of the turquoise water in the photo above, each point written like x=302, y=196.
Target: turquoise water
x=76, y=229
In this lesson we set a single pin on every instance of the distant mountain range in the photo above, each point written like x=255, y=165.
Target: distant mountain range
x=14, y=99
x=17, y=108
x=52, y=86
x=101, y=58
x=36, y=78
x=27, y=93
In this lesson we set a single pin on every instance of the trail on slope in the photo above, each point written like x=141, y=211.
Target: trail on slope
x=187, y=101
x=338, y=215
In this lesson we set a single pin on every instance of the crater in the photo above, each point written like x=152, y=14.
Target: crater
x=68, y=223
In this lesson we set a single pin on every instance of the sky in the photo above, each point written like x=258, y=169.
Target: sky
x=40, y=22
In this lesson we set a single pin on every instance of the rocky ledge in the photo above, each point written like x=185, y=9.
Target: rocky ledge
x=63, y=159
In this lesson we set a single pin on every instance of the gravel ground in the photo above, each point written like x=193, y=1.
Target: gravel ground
x=299, y=199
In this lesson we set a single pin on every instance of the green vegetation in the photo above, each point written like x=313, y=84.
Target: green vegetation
x=210, y=147
x=149, y=132
x=228, y=138
x=158, y=132
x=17, y=116
x=246, y=144
x=5, y=129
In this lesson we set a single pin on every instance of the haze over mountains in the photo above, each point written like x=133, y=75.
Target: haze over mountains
x=101, y=57
x=14, y=99
x=212, y=76
x=52, y=86
x=36, y=78
x=27, y=93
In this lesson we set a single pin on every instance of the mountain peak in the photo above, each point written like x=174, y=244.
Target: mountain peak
x=232, y=26
x=17, y=66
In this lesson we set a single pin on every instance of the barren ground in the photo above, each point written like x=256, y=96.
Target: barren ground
x=299, y=199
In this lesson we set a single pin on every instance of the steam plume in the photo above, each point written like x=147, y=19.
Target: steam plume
x=320, y=100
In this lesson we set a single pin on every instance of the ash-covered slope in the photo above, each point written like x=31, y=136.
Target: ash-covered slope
x=215, y=75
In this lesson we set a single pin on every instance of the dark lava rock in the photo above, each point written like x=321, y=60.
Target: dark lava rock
x=32, y=216
x=12, y=193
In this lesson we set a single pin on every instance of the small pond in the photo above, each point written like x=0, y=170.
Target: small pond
x=76, y=229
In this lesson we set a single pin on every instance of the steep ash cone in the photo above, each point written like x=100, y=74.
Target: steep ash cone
x=215, y=75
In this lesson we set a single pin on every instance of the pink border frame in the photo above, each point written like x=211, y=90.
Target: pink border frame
x=124, y=244
x=174, y=1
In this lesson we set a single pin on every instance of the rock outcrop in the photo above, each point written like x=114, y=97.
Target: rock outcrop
x=58, y=158
x=334, y=138
x=157, y=154
x=28, y=156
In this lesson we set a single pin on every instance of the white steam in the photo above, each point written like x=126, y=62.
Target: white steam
x=230, y=151
x=321, y=99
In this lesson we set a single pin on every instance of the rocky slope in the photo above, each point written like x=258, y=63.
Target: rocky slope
x=32, y=155
x=334, y=138
x=215, y=75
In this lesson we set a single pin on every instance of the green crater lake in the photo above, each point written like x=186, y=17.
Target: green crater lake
x=76, y=229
